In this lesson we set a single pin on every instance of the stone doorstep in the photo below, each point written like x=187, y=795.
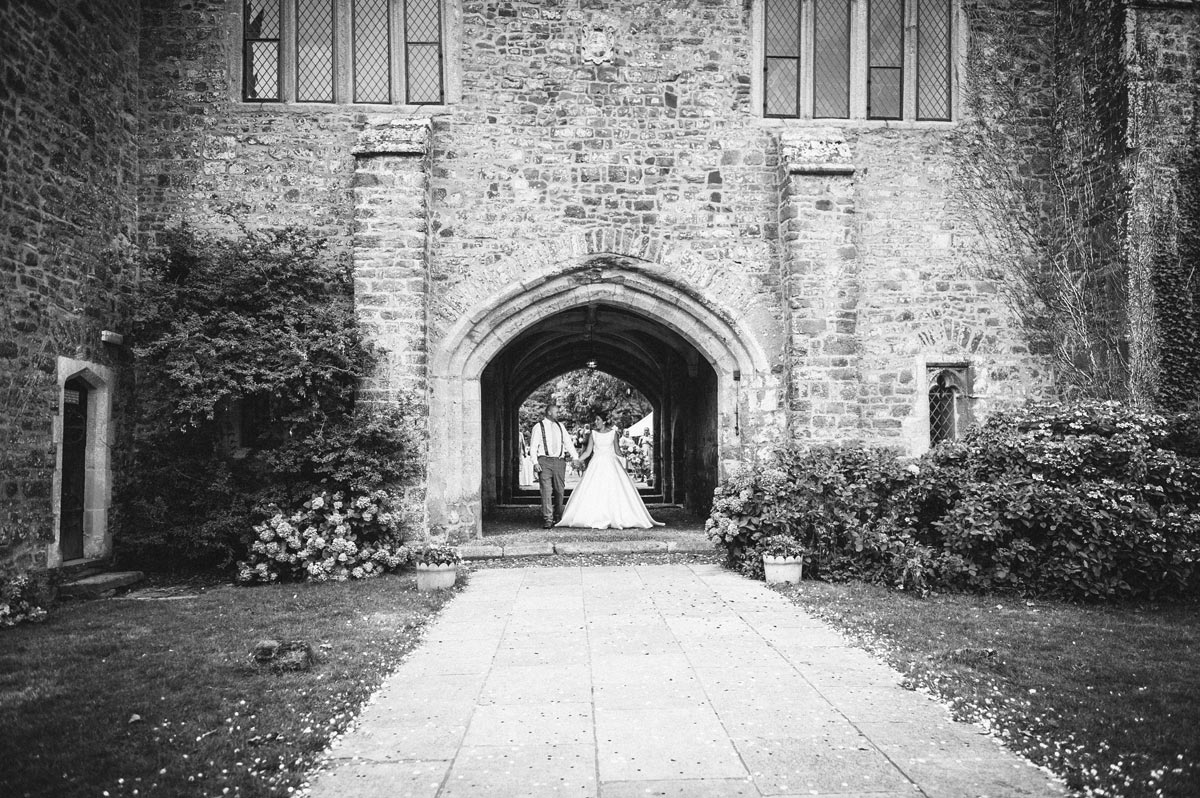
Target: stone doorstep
x=100, y=584
x=491, y=551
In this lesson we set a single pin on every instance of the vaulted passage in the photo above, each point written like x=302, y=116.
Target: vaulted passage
x=667, y=369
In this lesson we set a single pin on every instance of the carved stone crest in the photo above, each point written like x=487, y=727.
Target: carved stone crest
x=817, y=151
x=596, y=47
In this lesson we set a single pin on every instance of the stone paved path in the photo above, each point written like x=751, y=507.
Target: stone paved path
x=653, y=681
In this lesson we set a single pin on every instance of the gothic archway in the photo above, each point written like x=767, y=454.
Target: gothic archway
x=736, y=363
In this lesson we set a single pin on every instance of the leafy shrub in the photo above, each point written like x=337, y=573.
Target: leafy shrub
x=256, y=335
x=436, y=554
x=823, y=497
x=329, y=538
x=22, y=598
x=1093, y=501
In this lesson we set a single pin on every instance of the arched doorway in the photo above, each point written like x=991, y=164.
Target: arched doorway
x=745, y=398
x=657, y=361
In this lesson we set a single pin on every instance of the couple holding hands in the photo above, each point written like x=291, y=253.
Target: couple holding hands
x=605, y=497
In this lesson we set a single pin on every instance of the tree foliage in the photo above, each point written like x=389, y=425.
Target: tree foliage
x=249, y=355
x=583, y=394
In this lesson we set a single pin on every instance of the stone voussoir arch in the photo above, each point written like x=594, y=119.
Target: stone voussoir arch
x=606, y=278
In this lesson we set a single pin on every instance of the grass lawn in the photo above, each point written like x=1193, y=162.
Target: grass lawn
x=208, y=720
x=1107, y=697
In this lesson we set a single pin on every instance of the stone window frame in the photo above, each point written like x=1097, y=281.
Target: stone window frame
x=858, y=69
x=451, y=11
x=959, y=376
x=97, y=493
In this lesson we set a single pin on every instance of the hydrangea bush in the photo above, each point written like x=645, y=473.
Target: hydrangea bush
x=1092, y=501
x=21, y=599
x=330, y=537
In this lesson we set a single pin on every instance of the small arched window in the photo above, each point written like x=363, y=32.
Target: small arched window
x=948, y=403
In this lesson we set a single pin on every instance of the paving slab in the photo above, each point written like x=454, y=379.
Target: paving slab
x=671, y=680
x=535, y=771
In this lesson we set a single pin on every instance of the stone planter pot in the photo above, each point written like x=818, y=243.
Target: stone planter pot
x=436, y=577
x=782, y=570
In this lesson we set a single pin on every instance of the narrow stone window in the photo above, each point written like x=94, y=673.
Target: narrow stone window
x=858, y=59
x=341, y=51
x=948, y=402
x=260, y=50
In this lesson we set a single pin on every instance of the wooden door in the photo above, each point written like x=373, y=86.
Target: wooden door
x=74, y=464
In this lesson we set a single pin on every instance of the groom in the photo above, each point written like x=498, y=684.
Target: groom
x=549, y=443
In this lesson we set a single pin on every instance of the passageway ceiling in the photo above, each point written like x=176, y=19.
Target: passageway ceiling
x=632, y=347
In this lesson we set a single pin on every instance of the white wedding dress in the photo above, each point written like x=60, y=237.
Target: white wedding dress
x=606, y=497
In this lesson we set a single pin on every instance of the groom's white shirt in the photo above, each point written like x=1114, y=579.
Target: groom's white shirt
x=555, y=443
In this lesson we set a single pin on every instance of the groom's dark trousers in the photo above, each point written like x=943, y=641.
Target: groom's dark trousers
x=553, y=480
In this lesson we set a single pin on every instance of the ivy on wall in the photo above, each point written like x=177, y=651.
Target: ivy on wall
x=1176, y=281
x=1042, y=180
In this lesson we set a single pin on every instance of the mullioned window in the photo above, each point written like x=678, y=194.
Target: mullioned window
x=343, y=51
x=854, y=59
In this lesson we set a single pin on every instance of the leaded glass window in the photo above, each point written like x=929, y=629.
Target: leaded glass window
x=846, y=59
x=338, y=51
x=949, y=407
x=831, y=58
x=423, y=50
x=783, y=59
x=372, y=50
x=933, y=59
x=260, y=50
x=885, y=59
x=314, y=51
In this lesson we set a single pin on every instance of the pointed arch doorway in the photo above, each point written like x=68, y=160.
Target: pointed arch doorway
x=459, y=406
x=658, y=362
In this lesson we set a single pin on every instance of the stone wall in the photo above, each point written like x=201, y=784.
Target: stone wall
x=69, y=124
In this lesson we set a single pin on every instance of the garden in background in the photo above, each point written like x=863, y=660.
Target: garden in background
x=1040, y=574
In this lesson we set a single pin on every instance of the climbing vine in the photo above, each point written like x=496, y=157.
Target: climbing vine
x=1042, y=181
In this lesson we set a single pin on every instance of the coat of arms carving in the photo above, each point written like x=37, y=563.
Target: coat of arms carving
x=596, y=46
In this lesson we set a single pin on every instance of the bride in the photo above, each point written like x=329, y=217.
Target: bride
x=606, y=497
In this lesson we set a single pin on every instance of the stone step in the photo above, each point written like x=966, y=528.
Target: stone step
x=493, y=551
x=99, y=585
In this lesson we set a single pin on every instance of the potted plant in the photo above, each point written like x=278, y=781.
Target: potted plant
x=783, y=559
x=437, y=566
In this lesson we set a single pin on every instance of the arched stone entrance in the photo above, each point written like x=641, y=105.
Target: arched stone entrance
x=743, y=391
x=653, y=359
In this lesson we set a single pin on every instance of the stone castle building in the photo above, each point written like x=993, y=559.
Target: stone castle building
x=758, y=212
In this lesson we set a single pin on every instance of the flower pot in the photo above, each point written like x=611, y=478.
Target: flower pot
x=436, y=577
x=782, y=570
